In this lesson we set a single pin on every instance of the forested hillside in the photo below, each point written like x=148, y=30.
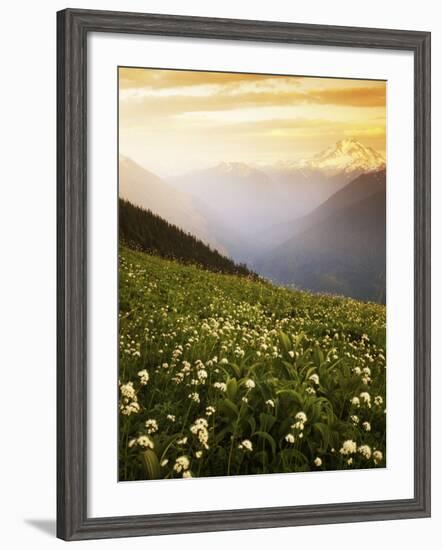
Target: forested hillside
x=145, y=231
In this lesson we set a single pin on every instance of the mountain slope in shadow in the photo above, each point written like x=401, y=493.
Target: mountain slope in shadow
x=339, y=248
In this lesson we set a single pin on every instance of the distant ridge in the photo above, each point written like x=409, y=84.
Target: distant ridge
x=145, y=231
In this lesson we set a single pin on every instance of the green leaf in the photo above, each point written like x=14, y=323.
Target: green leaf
x=152, y=464
x=266, y=422
x=284, y=341
x=232, y=388
x=229, y=408
x=267, y=437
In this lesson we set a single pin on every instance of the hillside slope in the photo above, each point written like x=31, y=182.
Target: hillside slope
x=143, y=230
x=220, y=369
x=143, y=188
x=343, y=253
x=361, y=187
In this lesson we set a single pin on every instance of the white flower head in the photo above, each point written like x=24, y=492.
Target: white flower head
x=144, y=377
x=182, y=463
x=317, y=462
x=246, y=444
x=377, y=457
x=145, y=441
x=365, y=451
x=348, y=447
x=250, y=384
x=290, y=438
x=151, y=425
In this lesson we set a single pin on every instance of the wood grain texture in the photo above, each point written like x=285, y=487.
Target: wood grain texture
x=72, y=29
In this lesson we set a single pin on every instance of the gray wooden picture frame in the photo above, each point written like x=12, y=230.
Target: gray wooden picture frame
x=73, y=27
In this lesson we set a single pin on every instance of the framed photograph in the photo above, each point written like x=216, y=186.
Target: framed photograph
x=243, y=274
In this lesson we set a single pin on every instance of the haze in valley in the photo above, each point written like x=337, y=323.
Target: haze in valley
x=284, y=173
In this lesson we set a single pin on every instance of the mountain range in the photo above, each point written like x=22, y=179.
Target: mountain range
x=316, y=223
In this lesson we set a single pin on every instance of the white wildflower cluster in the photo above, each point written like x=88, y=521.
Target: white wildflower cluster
x=349, y=447
x=378, y=401
x=365, y=398
x=250, y=384
x=220, y=386
x=129, y=401
x=144, y=441
x=194, y=396
x=171, y=417
x=151, y=426
x=246, y=445
x=182, y=464
x=210, y=410
x=144, y=377
x=290, y=438
x=377, y=456
x=200, y=429
x=301, y=419
x=270, y=403
x=314, y=378
x=317, y=462
x=366, y=426
x=365, y=451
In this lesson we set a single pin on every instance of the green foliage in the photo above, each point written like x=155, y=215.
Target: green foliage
x=225, y=375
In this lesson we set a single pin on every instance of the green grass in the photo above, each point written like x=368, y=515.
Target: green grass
x=224, y=370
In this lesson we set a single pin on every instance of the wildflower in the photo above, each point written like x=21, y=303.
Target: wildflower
x=355, y=401
x=220, y=386
x=182, y=463
x=348, y=447
x=202, y=375
x=165, y=365
x=378, y=400
x=354, y=419
x=366, y=426
x=171, y=417
x=314, y=378
x=194, y=397
x=317, y=462
x=377, y=457
x=244, y=399
x=199, y=454
x=182, y=441
x=187, y=474
x=210, y=410
x=128, y=390
x=144, y=377
x=164, y=462
x=292, y=354
x=250, y=384
x=301, y=416
x=270, y=403
x=199, y=428
x=350, y=461
x=357, y=371
x=131, y=443
x=365, y=451
x=223, y=361
x=145, y=441
x=290, y=438
x=365, y=398
x=246, y=444
x=151, y=425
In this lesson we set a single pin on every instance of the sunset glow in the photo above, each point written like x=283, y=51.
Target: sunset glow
x=173, y=121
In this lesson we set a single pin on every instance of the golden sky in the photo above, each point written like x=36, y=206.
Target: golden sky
x=174, y=121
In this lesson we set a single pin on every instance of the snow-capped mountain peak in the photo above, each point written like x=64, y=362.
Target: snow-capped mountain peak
x=347, y=155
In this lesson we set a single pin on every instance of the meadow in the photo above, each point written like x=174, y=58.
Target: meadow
x=223, y=374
